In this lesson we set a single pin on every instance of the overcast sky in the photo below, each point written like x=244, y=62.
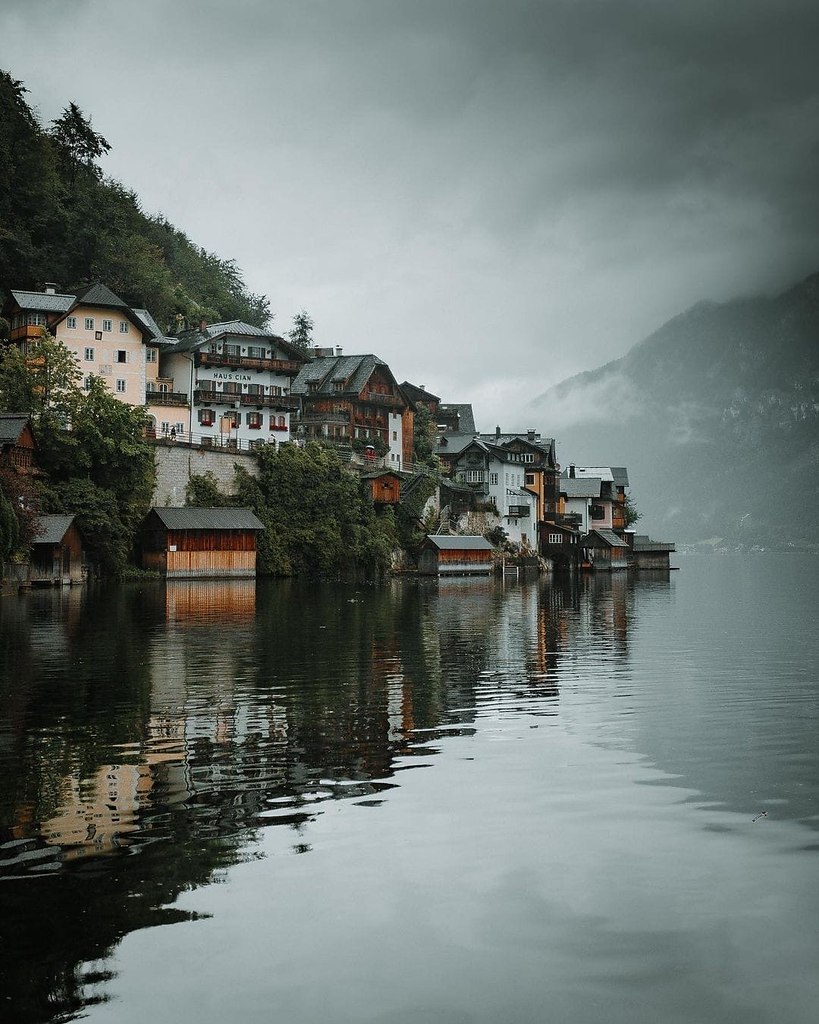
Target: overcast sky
x=489, y=195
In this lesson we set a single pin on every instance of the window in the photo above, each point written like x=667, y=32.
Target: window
x=282, y=423
x=36, y=320
x=312, y=385
x=255, y=353
x=207, y=417
x=164, y=426
x=71, y=323
x=395, y=435
x=231, y=388
x=180, y=428
x=107, y=325
x=87, y=383
x=151, y=355
x=230, y=420
x=89, y=355
x=120, y=385
x=122, y=355
x=275, y=389
x=493, y=479
x=254, y=420
x=255, y=389
x=530, y=479
x=123, y=327
x=555, y=538
x=338, y=385
x=89, y=323
x=233, y=350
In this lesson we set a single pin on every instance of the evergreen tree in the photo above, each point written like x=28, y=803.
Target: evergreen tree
x=302, y=334
x=78, y=143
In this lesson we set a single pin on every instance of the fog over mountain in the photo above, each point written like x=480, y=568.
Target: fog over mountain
x=716, y=415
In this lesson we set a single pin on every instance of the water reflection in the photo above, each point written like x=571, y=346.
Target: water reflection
x=149, y=733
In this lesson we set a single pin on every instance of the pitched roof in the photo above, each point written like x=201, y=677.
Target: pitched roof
x=444, y=542
x=463, y=413
x=188, y=340
x=207, y=518
x=620, y=474
x=43, y=302
x=608, y=536
x=583, y=487
x=52, y=529
x=100, y=294
x=153, y=327
x=353, y=371
x=603, y=472
x=11, y=426
x=418, y=394
x=454, y=444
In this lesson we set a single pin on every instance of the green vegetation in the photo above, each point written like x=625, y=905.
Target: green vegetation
x=302, y=334
x=101, y=469
x=424, y=438
x=319, y=521
x=61, y=221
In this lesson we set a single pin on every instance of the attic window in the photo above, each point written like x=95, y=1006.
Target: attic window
x=312, y=385
x=338, y=385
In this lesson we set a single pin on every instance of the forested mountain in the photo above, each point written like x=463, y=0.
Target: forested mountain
x=716, y=415
x=61, y=221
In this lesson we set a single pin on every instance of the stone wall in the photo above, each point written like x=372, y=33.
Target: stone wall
x=175, y=464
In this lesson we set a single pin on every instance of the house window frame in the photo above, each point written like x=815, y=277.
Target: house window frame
x=122, y=385
x=71, y=323
x=89, y=323
x=107, y=325
x=88, y=355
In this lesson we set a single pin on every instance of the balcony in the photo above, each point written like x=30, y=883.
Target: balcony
x=288, y=367
x=155, y=397
x=371, y=398
x=312, y=418
x=210, y=396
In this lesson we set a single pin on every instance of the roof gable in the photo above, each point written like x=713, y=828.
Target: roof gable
x=445, y=542
x=52, y=529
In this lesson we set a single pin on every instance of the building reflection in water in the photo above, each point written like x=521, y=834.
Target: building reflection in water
x=182, y=717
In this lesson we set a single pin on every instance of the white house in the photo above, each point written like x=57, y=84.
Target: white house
x=238, y=378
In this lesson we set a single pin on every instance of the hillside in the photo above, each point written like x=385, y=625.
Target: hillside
x=716, y=415
x=61, y=221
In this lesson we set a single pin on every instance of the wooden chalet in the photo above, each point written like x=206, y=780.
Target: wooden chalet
x=56, y=553
x=443, y=555
x=418, y=395
x=200, y=542
x=349, y=398
x=17, y=444
x=560, y=544
x=603, y=549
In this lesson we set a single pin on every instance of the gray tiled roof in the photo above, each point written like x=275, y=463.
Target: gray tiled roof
x=620, y=474
x=153, y=327
x=609, y=536
x=454, y=444
x=52, y=529
x=11, y=426
x=186, y=341
x=355, y=371
x=418, y=394
x=208, y=518
x=580, y=487
x=43, y=302
x=466, y=418
x=447, y=543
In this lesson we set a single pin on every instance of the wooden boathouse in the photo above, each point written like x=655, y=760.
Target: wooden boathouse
x=444, y=555
x=56, y=553
x=200, y=542
x=603, y=549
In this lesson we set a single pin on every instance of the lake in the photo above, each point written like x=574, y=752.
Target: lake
x=581, y=800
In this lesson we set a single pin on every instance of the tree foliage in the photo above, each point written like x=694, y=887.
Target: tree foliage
x=90, y=446
x=631, y=513
x=302, y=333
x=202, y=491
x=61, y=221
x=424, y=438
x=318, y=520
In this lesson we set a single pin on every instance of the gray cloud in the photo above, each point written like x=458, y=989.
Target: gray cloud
x=491, y=196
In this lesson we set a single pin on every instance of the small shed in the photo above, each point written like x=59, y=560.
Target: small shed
x=603, y=549
x=200, y=542
x=17, y=444
x=443, y=555
x=56, y=553
x=560, y=543
x=383, y=486
x=651, y=554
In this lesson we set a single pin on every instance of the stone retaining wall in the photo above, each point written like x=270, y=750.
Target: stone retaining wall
x=175, y=464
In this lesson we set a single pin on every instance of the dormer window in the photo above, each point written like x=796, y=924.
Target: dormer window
x=312, y=386
x=338, y=385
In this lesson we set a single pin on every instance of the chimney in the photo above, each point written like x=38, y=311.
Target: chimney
x=50, y=287
x=571, y=472
x=338, y=350
x=530, y=435
x=497, y=431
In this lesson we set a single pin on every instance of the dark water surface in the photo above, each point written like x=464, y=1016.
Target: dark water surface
x=455, y=802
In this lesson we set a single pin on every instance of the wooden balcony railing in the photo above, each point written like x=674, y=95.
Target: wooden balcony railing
x=288, y=367
x=154, y=397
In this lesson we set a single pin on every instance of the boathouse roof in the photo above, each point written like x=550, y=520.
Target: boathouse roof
x=445, y=542
x=207, y=518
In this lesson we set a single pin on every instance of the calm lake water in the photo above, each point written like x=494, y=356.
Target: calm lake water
x=429, y=802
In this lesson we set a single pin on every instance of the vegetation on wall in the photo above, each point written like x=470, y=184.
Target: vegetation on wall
x=62, y=221
x=318, y=520
x=100, y=470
